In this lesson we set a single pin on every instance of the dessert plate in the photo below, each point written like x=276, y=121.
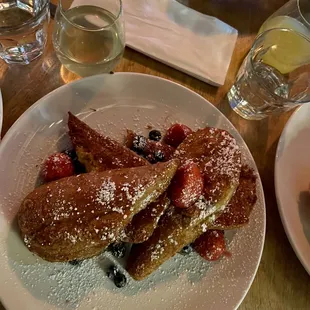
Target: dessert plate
x=111, y=104
x=292, y=181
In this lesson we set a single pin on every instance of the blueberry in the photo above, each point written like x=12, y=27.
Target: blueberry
x=75, y=262
x=112, y=272
x=120, y=280
x=186, y=250
x=71, y=153
x=78, y=167
x=118, y=249
x=155, y=135
x=139, y=143
x=159, y=155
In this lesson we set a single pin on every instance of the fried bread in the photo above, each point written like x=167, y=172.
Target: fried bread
x=237, y=213
x=143, y=224
x=99, y=153
x=218, y=156
x=77, y=217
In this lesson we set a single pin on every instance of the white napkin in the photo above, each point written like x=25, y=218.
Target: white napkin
x=166, y=30
x=197, y=44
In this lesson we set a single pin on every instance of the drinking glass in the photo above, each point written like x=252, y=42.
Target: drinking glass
x=294, y=15
x=89, y=38
x=23, y=29
x=274, y=77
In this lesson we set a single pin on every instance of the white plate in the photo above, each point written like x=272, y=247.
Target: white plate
x=122, y=101
x=292, y=182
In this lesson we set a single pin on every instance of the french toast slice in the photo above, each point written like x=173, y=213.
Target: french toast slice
x=99, y=153
x=237, y=213
x=78, y=216
x=218, y=156
x=143, y=224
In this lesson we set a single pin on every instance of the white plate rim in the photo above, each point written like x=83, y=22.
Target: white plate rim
x=38, y=102
x=281, y=209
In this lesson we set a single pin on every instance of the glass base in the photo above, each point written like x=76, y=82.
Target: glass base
x=242, y=107
x=19, y=60
x=20, y=55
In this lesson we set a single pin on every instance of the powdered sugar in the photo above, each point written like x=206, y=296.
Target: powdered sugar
x=133, y=193
x=27, y=241
x=106, y=192
x=226, y=162
x=158, y=250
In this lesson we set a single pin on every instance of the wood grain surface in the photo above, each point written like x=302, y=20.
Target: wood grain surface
x=281, y=281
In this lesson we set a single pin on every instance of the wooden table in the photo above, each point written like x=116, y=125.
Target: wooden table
x=281, y=281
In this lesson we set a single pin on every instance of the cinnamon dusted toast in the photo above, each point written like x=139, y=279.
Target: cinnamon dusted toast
x=78, y=216
x=143, y=224
x=218, y=156
x=99, y=153
x=237, y=213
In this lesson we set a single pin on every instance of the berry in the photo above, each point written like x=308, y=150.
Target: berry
x=186, y=186
x=75, y=262
x=120, y=280
x=112, y=272
x=139, y=143
x=176, y=134
x=78, y=166
x=155, y=135
x=57, y=166
x=160, y=151
x=211, y=245
x=118, y=249
x=186, y=250
x=156, y=157
x=159, y=155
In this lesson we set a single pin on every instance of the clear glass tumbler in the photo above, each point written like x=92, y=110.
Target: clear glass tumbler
x=23, y=29
x=274, y=77
x=88, y=38
x=294, y=15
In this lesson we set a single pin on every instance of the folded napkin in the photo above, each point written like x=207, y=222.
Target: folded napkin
x=192, y=42
x=166, y=30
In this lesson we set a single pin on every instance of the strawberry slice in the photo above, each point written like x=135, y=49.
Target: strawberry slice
x=211, y=245
x=186, y=186
x=176, y=134
x=57, y=166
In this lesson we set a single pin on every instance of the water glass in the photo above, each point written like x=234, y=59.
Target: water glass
x=23, y=29
x=294, y=15
x=275, y=75
x=89, y=37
